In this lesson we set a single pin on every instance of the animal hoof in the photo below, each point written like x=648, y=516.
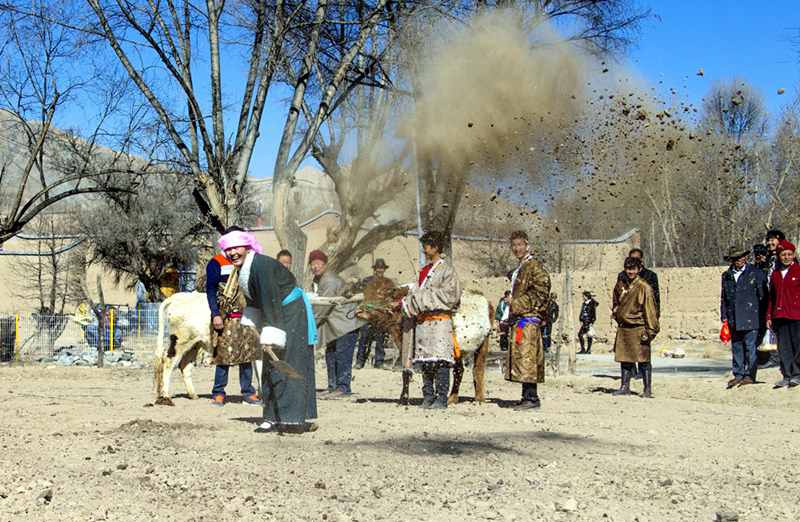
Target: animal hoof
x=164, y=401
x=194, y=397
x=453, y=399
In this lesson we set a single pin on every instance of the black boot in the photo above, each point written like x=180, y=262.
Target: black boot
x=647, y=379
x=625, y=388
x=442, y=387
x=428, y=375
x=580, y=338
x=588, y=345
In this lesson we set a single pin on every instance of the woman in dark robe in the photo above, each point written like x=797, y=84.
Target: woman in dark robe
x=280, y=311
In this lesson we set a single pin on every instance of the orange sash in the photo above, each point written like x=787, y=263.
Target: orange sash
x=425, y=318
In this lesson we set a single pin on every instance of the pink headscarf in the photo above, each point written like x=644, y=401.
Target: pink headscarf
x=237, y=239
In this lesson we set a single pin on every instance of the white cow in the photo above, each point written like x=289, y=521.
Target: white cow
x=189, y=330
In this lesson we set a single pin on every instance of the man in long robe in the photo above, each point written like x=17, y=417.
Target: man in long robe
x=338, y=327
x=527, y=308
x=428, y=307
x=637, y=320
x=280, y=312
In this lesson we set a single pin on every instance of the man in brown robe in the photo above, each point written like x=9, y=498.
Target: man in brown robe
x=637, y=320
x=527, y=308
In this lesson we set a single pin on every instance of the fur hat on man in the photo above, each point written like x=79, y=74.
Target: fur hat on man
x=317, y=255
x=735, y=252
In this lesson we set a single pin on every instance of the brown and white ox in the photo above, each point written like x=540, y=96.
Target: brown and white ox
x=189, y=331
x=472, y=324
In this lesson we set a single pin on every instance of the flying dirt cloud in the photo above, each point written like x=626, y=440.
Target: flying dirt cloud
x=486, y=93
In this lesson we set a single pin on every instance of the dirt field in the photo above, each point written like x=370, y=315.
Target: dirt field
x=85, y=444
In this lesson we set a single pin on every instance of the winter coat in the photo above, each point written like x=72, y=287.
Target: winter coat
x=743, y=303
x=784, y=294
x=333, y=321
x=588, y=314
x=530, y=298
x=637, y=320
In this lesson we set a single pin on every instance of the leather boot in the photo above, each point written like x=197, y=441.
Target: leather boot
x=625, y=387
x=647, y=379
x=428, y=397
x=442, y=387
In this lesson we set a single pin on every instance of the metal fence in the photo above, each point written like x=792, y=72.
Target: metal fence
x=30, y=337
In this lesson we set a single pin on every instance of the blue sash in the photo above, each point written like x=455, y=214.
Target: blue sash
x=313, y=338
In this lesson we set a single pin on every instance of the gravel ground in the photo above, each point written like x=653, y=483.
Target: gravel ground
x=87, y=444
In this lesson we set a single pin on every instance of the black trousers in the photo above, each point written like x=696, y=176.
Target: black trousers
x=583, y=331
x=788, y=332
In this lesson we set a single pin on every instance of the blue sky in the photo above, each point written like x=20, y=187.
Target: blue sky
x=724, y=38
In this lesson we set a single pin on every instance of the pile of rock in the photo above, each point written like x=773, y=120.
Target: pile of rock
x=75, y=357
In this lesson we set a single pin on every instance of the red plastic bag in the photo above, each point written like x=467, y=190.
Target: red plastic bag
x=725, y=333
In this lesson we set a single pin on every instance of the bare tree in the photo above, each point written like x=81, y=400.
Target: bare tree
x=49, y=274
x=141, y=235
x=38, y=63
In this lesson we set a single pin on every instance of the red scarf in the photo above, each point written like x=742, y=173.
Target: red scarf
x=424, y=272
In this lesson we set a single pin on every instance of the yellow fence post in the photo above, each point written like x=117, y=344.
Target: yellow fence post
x=16, y=337
x=111, y=337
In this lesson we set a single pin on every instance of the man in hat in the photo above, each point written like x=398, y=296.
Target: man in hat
x=368, y=332
x=783, y=312
x=743, y=306
x=337, y=325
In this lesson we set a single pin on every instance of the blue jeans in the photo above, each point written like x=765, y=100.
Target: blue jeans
x=339, y=360
x=743, y=349
x=367, y=335
x=245, y=379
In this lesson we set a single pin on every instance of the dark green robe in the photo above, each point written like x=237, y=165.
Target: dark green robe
x=266, y=285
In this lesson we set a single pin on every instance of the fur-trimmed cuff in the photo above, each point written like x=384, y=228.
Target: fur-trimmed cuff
x=272, y=335
x=251, y=316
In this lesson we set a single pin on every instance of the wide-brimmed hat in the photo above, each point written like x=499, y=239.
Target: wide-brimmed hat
x=380, y=263
x=735, y=252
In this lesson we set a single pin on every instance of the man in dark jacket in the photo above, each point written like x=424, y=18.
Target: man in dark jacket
x=783, y=312
x=743, y=306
